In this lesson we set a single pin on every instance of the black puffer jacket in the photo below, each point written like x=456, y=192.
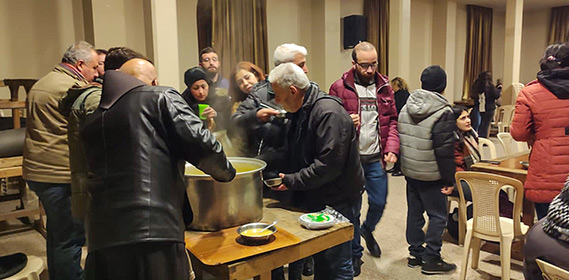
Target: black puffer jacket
x=137, y=142
x=322, y=151
x=246, y=131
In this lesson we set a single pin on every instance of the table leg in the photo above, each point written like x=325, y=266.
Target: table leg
x=528, y=212
x=263, y=276
x=16, y=118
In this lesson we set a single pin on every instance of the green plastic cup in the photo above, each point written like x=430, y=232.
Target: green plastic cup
x=201, y=108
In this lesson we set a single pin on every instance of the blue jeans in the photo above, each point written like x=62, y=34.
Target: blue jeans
x=376, y=188
x=336, y=262
x=425, y=196
x=65, y=234
x=475, y=118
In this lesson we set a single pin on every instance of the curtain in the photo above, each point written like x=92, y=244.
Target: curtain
x=478, y=55
x=559, y=25
x=203, y=17
x=377, y=14
x=239, y=32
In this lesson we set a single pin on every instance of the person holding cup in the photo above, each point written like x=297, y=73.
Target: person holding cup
x=198, y=97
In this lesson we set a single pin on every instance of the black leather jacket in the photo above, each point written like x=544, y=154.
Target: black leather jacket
x=137, y=142
x=322, y=151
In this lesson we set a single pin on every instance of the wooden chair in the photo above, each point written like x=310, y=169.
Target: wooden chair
x=486, y=223
x=552, y=272
x=13, y=103
x=506, y=141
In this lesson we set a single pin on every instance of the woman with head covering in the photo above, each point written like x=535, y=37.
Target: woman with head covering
x=541, y=119
x=485, y=94
x=200, y=96
x=242, y=80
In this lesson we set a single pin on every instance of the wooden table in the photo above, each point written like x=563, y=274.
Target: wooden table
x=510, y=167
x=11, y=167
x=260, y=266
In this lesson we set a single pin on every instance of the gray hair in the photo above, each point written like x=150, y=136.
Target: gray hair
x=78, y=51
x=287, y=52
x=289, y=74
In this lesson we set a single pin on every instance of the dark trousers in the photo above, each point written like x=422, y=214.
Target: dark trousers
x=65, y=234
x=425, y=196
x=139, y=261
x=485, y=120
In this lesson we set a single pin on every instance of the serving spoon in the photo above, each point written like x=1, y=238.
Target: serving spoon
x=269, y=226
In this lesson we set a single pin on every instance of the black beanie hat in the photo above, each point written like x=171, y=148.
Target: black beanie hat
x=434, y=79
x=194, y=74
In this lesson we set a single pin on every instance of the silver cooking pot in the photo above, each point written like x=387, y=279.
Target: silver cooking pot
x=219, y=205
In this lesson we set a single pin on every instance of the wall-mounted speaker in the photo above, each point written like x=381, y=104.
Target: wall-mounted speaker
x=355, y=30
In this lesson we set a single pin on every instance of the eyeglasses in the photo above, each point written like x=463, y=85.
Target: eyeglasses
x=207, y=59
x=367, y=65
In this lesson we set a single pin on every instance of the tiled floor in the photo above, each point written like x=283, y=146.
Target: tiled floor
x=390, y=234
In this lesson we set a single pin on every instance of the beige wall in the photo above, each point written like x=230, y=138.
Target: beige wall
x=421, y=40
x=460, y=50
x=35, y=34
x=187, y=37
x=534, y=42
x=40, y=31
x=498, y=44
x=288, y=22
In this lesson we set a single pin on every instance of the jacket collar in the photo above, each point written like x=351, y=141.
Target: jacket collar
x=350, y=83
x=115, y=85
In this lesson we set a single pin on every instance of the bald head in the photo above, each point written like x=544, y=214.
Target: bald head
x=141, y=69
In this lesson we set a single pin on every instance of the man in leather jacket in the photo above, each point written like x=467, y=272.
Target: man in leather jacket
x=323, y=158
x=136, y=144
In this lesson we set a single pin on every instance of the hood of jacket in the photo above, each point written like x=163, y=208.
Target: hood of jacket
x=423, y=103
x=556, y=81
x=116, y=84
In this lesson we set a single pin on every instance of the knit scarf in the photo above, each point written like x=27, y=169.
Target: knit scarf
x=470, y=139
x=556, y=222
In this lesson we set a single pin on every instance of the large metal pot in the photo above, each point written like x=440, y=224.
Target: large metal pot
x=219, y=205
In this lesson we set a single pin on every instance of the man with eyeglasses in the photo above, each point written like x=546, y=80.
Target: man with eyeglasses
x=367, y=96
x=209, y=61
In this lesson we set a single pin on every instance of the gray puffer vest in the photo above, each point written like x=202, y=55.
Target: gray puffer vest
x=416, y=120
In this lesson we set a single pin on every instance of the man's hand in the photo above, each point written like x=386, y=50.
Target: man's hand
x=209, y=113
x=390, y=157
x=355, y=119
x=447, y=190
x=281, y=187
x=265, y=114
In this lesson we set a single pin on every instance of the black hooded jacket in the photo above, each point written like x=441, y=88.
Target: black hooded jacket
x=136, y=144
x=322, y=151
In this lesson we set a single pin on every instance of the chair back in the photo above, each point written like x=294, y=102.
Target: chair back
x=552, y=272
x=506, y=141
x=485, y=189
x=482, y=142
x=517, y=87
x=504, y=118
